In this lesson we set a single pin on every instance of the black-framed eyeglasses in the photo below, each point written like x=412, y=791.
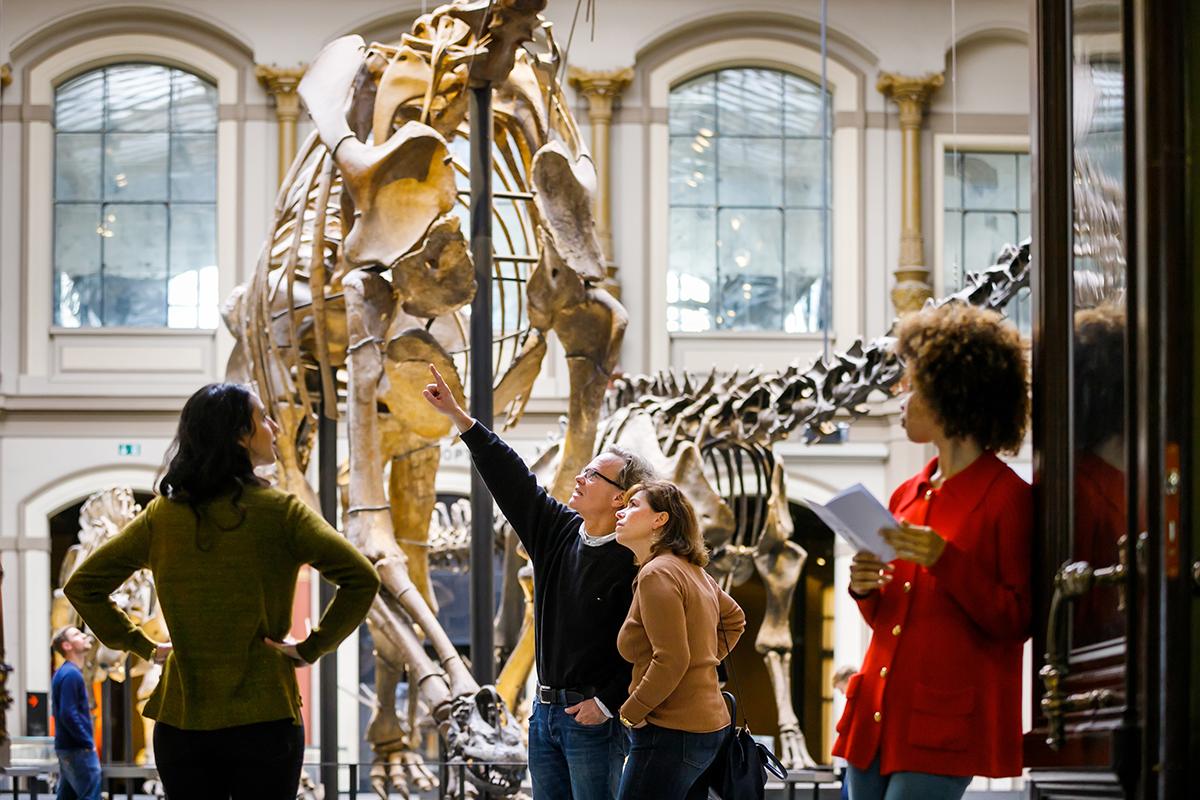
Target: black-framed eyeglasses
x=591, y=473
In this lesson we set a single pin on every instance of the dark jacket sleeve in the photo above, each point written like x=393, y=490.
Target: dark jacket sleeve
x=90, y=586
x=75, y=717
x=315, y=542
x=528, y=507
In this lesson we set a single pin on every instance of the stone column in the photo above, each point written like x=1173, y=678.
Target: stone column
x=911, y=95
x=281, y=82
x=601, y=89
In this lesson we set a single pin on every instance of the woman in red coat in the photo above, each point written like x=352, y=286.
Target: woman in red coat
x=938, y=698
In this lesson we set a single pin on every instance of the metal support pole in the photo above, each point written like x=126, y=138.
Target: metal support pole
x=482, y=611
x=327, y=490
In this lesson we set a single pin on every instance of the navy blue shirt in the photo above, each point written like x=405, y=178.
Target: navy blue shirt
x=72, y=713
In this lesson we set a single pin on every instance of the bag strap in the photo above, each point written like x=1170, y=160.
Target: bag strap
x=737, y=692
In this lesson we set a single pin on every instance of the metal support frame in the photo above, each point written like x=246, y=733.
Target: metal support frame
x=327, y=491
x=482, y=603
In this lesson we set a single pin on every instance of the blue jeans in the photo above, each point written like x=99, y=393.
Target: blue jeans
x=868, y=784
x=79, y=774
x=572, y=761
x=665, y=763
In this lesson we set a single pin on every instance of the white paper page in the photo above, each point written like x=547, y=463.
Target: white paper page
x=863, y=516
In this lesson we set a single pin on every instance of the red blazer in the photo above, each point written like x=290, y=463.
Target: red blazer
x=940, y=688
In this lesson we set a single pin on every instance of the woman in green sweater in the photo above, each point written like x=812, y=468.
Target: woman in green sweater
x=225, y=550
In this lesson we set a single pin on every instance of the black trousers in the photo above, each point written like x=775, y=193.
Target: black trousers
x=246, y=762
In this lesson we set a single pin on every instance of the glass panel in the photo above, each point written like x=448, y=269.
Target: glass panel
x=692, y=270
x=693, y=107
x=79, y=103
x=983, y=237
x=193, y=103
x=1023, y=178
x=803, y=158
x=1099, y=368
x=750, y=264
x=138, y=97
x=750, y=172
x=77, y=240
x=802, y=107
x=135, y=265
x=194, y=167
x=803, y=282
x=952, y=257
x=989, y=180
x=952, y=189
x=693, y=172
x=748, y=102
x=77, y=166
x=135, y=166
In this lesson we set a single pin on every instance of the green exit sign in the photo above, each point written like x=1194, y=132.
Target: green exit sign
x=129, y=449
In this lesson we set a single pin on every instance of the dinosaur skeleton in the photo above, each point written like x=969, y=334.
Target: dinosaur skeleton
x=366, y=278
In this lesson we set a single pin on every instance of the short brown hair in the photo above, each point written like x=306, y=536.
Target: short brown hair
x=680, y=534
x=60, y=636
x=969, y=364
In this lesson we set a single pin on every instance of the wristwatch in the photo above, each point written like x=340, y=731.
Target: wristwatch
x=625, y=721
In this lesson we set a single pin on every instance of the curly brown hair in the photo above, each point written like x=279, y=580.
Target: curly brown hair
x=1099, y=376
x=679, y=534
x=970, y=366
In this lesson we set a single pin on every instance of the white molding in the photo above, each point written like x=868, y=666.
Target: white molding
x=35, y=510
x=40, y=368
x=973, y=142
x=847, y=203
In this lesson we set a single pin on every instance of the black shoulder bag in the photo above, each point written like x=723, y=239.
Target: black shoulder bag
x=739, y=772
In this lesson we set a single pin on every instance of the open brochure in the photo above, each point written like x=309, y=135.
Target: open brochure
x=856, y=516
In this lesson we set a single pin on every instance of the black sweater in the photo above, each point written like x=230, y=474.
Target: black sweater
x=581, y=594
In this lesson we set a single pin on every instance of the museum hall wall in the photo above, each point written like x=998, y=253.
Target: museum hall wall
x=85, y=409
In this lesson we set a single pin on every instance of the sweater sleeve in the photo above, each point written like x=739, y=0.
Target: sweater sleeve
x=666, y=629
x=732, y=624
x=527, y=506
x=315, y=542
x=990, y=582
x=101, y=573
x=75, y=716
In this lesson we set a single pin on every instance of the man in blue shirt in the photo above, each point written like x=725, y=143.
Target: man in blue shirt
x=79, y=766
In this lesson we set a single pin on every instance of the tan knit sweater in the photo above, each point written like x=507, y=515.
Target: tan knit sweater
x=671, y=637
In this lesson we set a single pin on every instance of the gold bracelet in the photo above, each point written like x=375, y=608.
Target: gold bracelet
x=625, y=721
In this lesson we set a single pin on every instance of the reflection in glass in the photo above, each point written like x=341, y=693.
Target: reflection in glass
x=748, y=222
x=1098, y=358
x=142, y=138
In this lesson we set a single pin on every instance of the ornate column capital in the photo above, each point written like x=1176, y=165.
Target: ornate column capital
x=910, y=93
x=5, y=75
x=600, y=88
x=281, y=83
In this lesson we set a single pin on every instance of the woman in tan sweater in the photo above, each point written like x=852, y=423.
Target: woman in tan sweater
x=680, y=626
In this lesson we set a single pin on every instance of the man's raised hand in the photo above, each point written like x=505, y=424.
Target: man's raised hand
x=438, y=395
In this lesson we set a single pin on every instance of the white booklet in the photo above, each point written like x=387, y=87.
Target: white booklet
x=856, y=516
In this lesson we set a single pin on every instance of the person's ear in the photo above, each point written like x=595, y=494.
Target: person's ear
x=661, y=519
x=618, y=500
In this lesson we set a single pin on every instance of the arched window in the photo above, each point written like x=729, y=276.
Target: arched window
x=135, y=178
x=749, y=197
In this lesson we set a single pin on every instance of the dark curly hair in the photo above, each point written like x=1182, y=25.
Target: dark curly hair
x=970, y=366
x=1099, y=376
x=207, y=460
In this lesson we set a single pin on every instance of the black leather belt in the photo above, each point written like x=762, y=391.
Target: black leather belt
x=564, y=697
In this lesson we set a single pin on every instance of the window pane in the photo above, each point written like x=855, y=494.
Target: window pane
x=135, y=166
x=693, y=107
x=138, y=97
x=135, y=265
x=1023, y=182
x=748, y=102
x=193, y=103
x=77, y=166
x=693, y=172
x=952, y=257
x=193, y=270
x=194, y=167
x=802, y=107
x=692, y=269
x=952, y=189
x=751, y=268
x=803, y=281
x=77, y=265
x=804, y=158
x=983, y=236
x=750, y=172
x=79, y=103
x=990, y=180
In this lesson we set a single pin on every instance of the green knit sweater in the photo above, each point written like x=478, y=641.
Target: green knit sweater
x=222, y=592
